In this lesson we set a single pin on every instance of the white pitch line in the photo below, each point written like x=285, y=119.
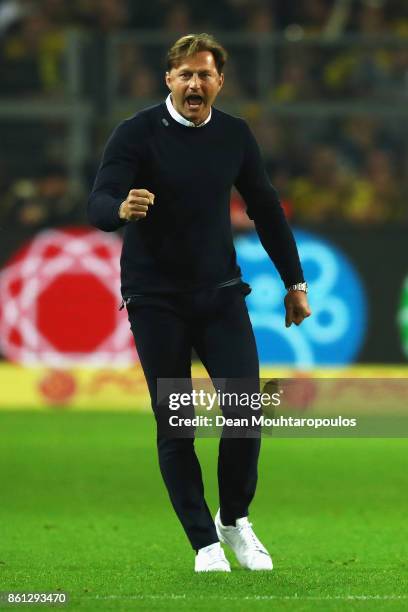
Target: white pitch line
x=255, y=597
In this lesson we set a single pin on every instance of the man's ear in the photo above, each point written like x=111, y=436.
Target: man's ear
x=167, y=79
x=221, y=79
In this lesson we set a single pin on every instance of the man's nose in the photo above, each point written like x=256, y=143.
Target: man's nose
x=194, y=82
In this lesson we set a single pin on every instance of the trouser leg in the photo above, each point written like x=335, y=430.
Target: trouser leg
x=225, y=343
x=181, y=472
x=163, y=343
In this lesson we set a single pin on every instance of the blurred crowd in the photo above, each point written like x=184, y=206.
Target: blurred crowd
x=45, y=200
x=328, y=17
x=33, y=38
x=352, y=170
x=342, y=167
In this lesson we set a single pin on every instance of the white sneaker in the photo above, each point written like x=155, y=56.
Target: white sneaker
x=211, y=559
x=243, y=541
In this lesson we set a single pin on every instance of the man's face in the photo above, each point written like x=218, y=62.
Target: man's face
x=194, y=85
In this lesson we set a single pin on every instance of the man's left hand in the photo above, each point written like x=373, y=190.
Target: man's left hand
x=297, y=307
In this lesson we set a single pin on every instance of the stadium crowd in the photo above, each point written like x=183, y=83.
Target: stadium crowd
x=348, y=167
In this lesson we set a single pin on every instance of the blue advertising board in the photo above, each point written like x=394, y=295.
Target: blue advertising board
x=334, y=334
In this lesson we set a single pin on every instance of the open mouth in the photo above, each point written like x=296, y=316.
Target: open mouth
x=194, y=101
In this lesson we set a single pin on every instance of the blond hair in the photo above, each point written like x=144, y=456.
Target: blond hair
x=194, y=43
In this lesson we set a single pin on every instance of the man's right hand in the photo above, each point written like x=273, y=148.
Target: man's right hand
x=136, y=205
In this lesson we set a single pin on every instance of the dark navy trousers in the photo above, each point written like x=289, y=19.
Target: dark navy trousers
x=216, y=324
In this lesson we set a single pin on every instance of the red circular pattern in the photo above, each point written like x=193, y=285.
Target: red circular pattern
x=59, y=301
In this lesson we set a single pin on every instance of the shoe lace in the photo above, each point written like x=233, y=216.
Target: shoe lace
x=250, y=537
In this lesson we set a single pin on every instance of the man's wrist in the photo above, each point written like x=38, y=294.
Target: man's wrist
x=298, y=287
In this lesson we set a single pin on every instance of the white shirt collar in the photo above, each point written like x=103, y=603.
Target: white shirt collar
x=180, y=119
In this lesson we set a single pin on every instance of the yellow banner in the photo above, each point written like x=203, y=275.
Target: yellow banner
x=24, y=388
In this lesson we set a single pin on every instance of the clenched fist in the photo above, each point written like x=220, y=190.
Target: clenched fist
x=136, y=205
x=297, y=307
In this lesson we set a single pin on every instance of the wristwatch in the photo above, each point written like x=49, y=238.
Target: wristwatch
x=298, y=287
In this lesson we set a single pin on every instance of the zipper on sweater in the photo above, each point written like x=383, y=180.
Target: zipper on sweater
x=124, y=302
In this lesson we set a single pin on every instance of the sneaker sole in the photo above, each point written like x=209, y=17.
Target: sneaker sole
x=219, y=569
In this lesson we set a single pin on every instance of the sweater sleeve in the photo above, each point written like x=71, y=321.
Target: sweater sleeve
x=114, y=179
x=264, y=208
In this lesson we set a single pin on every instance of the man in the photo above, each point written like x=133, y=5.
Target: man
x=169, y=184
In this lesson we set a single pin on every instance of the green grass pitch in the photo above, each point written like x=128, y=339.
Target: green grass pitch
x=83, y=510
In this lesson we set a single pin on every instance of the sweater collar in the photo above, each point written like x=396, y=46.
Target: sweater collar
x=180, y=119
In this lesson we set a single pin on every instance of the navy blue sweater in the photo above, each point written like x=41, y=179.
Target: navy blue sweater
x=185, y=241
